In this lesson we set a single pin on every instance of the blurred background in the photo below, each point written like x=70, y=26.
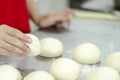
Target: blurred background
x=97, y=22
x=47, y=6
x=104, y=6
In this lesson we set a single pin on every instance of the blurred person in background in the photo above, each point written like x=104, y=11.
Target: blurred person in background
x=14, y=22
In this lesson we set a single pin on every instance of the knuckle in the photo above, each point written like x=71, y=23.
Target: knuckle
x=14, y=32
x=12, y=41
x=25, y=37
x=15, y=42
x=23, y=46
x=18, y=43
x=11, y=49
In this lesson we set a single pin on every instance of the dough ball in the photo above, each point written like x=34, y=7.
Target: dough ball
x=8, y=72
x=113, y=61
x=35, y=46
x=87, y=53
x=51, y=47
x=103, y=73
x=39, y=75
x=65, y=69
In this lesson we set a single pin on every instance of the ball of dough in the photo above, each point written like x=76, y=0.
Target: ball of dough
x=65, y=69
x=113, y=61
x=51, y=47
x=103, y=73
x=87, y=53
x=39, y=75
x=35, y=46
x=8, y=72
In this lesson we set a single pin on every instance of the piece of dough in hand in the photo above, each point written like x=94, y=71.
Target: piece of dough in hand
x=113, y=61
x=8, y=72
x=87, y=53
x=51, y=47
x=35, y=46
x=65, y=69
x=39, y=75
x=103, y=73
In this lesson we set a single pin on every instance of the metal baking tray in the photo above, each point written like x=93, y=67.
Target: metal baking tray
x=104, y=34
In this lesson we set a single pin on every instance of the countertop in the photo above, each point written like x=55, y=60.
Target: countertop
x=102, y=33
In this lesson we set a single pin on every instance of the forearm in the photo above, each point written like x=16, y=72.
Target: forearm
x=44, y=21
x=38, y=18
x=33, y=11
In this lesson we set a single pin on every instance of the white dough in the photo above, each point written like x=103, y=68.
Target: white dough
x=35, y=46
x=8, y=72
x=39, y=75
x=113, y=61
x=65, y=69
x=87, y=53
x=103, y=73
x=51, y=47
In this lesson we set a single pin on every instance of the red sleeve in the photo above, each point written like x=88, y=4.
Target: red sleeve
x=15, y=14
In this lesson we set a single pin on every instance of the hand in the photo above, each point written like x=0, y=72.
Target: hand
x=12, y=41
x=58, y=19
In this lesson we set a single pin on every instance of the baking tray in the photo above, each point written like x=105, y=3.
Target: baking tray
x=104, y=34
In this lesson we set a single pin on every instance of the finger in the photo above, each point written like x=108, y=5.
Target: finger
x=18, y=34
x=67, y=12
x=17, y=43
x=70, y=12
x=59, y=25
x=3, y=51
x=62, y=18
x=65, y=19
x=12, y=49
x=68, y=21
x=62, y=12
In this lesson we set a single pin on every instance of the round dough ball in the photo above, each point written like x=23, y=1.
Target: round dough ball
x=35, y=46
x=103, y=73
x=39, y=75
x=8, y=72
x=51, y=47
x=113, y=61
x=87, y=53
x=65, y=69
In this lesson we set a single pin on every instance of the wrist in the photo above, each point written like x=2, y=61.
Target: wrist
x=45, y=21
x=37, y=18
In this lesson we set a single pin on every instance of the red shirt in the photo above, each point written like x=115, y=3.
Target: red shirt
x=15, y=14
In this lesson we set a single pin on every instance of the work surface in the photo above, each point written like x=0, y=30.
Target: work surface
x=105, y=34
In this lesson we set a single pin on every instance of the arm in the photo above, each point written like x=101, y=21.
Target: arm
x=33, y=11
x=44, y=21
x=12, y=41
x=36, y=16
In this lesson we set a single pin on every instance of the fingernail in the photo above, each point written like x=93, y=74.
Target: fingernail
x=29, y=40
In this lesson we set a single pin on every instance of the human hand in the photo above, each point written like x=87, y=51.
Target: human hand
x=12, y=41
x=58, y=19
